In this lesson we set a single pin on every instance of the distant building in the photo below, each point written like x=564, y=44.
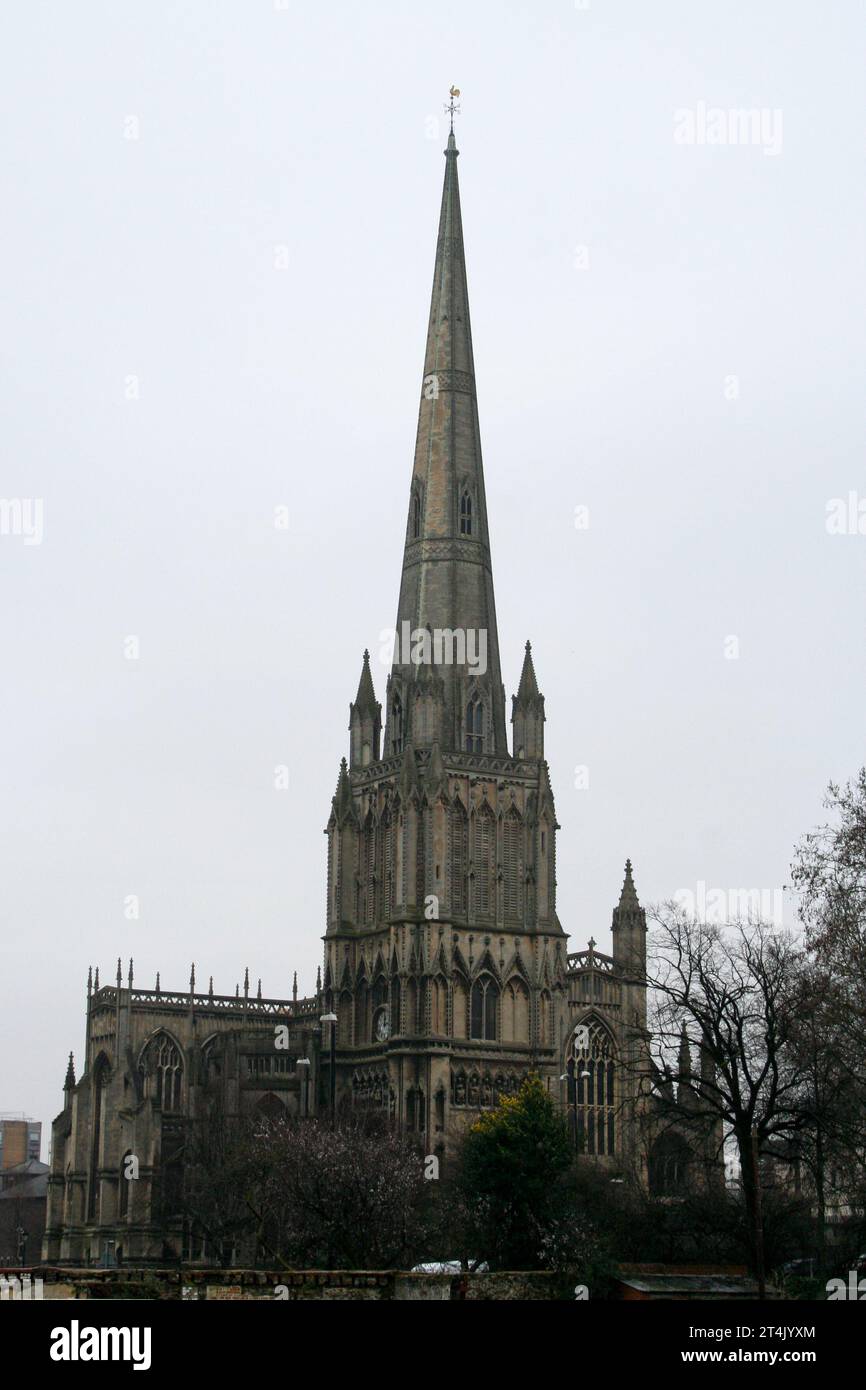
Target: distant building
x=20, y=1139
x=23, y=1196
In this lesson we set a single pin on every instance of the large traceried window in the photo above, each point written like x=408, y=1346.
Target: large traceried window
x=484, y=1009
x=162, y=1068
x=593, y=1080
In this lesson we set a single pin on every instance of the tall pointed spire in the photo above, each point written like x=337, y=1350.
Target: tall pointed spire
x=447, y=579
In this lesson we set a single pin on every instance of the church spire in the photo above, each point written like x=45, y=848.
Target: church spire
x=447, y=579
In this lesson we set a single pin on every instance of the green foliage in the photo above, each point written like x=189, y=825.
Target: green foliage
x=512, y=1170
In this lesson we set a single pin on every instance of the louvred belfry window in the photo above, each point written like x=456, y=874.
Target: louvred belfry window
x=457, y=830
x=482, y=862
x=512, y=865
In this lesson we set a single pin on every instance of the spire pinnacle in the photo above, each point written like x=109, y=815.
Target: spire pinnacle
x=685, y=1057
x=628, y=898
x=365, y=700
x=70, y=1074
x=528, y=687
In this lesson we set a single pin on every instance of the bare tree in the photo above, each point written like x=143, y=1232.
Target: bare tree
x=346, y=1195
x=732, y=987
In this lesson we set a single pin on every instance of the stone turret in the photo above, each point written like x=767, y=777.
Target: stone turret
x=365, y=720
x=527, y=713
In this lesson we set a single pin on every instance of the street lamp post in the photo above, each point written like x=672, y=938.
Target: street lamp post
x=332, y=1080
x=305, y=1086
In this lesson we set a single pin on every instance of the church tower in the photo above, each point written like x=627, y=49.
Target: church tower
x=444, y=956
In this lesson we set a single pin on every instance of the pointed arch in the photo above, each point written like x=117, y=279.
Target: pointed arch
x=484, y=1009
x=476, y=717
x=515, y=1011
x=466, y=512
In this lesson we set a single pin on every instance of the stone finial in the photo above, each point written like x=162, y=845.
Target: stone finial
x=628, y=898
x=70, y=1074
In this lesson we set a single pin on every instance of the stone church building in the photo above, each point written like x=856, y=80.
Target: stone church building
x=446, y=977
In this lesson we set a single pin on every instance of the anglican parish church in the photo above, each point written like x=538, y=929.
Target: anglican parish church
x=446, y=976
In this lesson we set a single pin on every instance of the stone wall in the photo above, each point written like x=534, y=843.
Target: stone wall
x=295, y=1285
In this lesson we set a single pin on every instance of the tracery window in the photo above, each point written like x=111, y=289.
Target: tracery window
x=162, y=1067
x=595, y=1087
x=466, y=514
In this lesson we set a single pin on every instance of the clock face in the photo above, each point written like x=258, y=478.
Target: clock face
x=383, y=1025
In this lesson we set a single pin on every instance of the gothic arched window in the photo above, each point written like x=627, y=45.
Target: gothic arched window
x=466, y=514
x=416, y=517
x=595, y=1090
x=475, y=726
x=162, y=1067
x=483, y=1011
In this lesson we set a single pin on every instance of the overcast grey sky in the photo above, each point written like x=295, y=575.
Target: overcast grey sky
x=230, y=209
